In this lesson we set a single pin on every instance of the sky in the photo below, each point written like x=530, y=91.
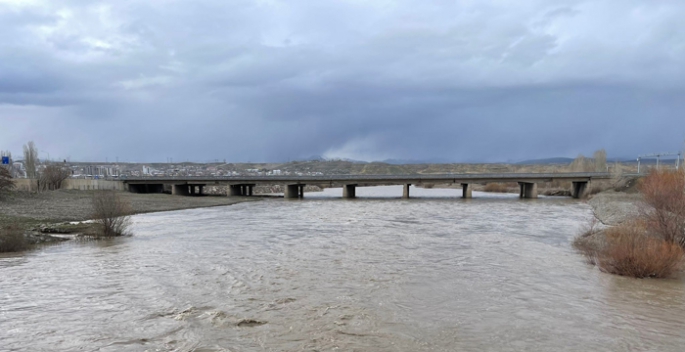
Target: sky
x=272, y=80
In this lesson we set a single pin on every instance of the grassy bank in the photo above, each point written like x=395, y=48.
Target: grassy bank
x=53, y=212
x=77, y=205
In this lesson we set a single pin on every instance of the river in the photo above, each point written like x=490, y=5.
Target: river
x=433, y=273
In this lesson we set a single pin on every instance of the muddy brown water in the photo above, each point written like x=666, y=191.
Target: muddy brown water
x=434, y=273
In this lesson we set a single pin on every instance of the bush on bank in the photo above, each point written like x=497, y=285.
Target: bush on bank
x=12, y=239
x=650, y=245
x=631, y=251
x=111, y=213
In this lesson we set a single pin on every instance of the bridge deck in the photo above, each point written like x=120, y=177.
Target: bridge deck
x=373, y=179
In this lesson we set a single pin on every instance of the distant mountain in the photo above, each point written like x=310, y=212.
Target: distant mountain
x=562, y=160
x=621, y=160
x=415, y=161
x=559, y=160
x=314, y=158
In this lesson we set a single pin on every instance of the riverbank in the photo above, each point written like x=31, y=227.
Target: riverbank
x=67, y=211
x=609, y=209
x=612, y=208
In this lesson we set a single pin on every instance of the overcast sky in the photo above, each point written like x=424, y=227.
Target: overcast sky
x=270, y=80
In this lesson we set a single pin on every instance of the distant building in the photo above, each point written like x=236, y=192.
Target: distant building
x=18, y=170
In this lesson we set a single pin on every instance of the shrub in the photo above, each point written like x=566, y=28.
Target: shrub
x=496, y=188
x=12, y=239
x=651, y=245
x=111, y=213
x=631, y=251
x=664, y=204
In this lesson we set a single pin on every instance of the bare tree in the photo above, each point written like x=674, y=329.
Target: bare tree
x=580, y=164
x=600, y=160
x=52, y=177
x=598, y=163
x=617, y=171
x=31, y=160
x=112, y=213
x=6, y=182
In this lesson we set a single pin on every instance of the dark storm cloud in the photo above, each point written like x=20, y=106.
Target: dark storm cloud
x=278, y=80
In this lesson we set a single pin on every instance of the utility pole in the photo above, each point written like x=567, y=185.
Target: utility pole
x=658, y=156
x=682, y=154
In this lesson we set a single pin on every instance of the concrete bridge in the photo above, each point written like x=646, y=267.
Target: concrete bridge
x=294, y=185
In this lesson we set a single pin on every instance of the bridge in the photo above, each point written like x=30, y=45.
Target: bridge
x=294, y=185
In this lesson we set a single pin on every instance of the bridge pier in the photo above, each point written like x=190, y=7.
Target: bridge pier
x=234, y=191
x=240, y=190
x=528, y=190
x=466, y=190
x=349, y=191
x=579, y=190
x=145, y=188
x=405, y=191
x=293, y=191
x=180, y=190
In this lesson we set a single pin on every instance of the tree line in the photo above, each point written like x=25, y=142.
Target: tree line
x=44, y=176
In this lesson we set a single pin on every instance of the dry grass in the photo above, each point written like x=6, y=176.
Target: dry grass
x=111, y=213
x=594, y=189
x=500, y=187
x=557, y=192
x=12, y=239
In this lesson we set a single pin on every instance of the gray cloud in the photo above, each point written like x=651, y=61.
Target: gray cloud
x=278, y=80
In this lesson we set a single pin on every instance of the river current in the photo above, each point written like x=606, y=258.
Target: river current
x=378, y=273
